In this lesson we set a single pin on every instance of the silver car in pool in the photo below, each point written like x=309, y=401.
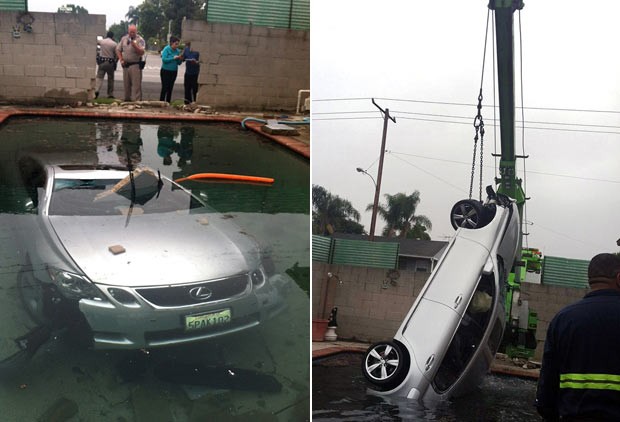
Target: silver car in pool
x=136, y=260
x=448, y=339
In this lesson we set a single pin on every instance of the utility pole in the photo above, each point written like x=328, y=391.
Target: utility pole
x=375, y=205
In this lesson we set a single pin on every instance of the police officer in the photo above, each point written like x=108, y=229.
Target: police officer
x=580, y=374
x=129, y=51
x=106, y=61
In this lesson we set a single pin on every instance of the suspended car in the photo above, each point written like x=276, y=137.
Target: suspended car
x=136, y=261
x=449, y=337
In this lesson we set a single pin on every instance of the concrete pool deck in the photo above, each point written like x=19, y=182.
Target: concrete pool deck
x=502, y=365
x=155, y=110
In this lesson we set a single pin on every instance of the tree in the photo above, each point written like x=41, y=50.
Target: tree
x=400, y=215
x=176, y=10
x=330, y=213
x=71, y=8
x=152, y=18
x=132, y=15
x=119, y=29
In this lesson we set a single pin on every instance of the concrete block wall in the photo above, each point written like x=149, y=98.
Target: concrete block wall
x=249, y=67
x=546, y=301
x=368, y=312
x=55, y=63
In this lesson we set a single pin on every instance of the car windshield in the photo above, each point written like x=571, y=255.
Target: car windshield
x=92, y=197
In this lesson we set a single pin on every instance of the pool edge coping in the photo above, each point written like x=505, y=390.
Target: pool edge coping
x=292, y=144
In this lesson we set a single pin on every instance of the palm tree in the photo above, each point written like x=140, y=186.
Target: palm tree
x=331, y=213
x=132, y=15
x=399, y=214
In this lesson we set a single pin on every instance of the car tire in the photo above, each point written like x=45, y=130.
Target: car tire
x=386, y=364
x=467, y=213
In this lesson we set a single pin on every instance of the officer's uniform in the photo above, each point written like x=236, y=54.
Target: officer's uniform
x=106, y=62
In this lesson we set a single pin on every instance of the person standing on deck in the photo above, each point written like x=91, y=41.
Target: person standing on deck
x=106, y=61
x=129, y=51
x=171, y=58
x=192, y=70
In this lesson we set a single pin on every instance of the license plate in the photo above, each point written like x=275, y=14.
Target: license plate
x=212, y=319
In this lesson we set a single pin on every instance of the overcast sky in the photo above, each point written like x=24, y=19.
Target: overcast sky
x=114, y=10
x=410, y=55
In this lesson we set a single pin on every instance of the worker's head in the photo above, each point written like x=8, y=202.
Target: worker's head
x=604, y=271
x=132, y=31
x=110, y=35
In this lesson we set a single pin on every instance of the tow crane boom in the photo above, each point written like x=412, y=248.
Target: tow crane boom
x=519, y=336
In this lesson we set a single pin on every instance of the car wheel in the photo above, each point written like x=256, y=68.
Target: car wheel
x=385, y=364
x=467, y=213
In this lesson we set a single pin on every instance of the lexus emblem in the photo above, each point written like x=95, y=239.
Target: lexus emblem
x=200, y=293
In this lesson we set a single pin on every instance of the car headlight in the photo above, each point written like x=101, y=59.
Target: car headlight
x=73, y=286
x=258, y=277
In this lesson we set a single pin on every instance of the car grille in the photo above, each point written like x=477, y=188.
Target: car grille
x=171, y=296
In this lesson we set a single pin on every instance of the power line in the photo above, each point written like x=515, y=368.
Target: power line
x=430, y=174
x=592, y=179
x=347, y=118
x=604, y=132
x=452, y=116
x=566, y=236
x=576, y=110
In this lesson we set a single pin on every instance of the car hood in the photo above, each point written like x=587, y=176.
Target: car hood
x=170, y=248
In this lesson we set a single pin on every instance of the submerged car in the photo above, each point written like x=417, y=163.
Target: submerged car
x=449, y=337
x=136, y=260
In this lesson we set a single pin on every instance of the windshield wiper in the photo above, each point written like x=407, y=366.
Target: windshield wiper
x=133, y=187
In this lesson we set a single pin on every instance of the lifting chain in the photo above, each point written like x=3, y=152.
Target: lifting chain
x=478, y=122
x=479, y=127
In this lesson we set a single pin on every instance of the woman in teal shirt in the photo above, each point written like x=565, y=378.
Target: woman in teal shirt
x=171, y=58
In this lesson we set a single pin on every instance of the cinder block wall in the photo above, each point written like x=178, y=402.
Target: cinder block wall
x=546, y=301
x=368, y=312
x=249, y=67
x=55, y=63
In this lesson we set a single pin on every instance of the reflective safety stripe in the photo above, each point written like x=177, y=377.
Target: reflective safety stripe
x=590, y=381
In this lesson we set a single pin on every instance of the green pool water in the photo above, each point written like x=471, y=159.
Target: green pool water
x=82, y=384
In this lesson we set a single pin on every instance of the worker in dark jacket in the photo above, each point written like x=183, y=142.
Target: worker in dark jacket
x=580, y=374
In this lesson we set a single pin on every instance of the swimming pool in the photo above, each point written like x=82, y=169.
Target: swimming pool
x=271, y=360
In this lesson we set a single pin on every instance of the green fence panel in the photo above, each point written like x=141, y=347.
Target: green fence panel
x=291, y=14
x=13, y=4
x=364, y=253
x=321, y=248
x=565, y=272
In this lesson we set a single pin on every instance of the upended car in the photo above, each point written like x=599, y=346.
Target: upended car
x=135, y=260
x=449, y=337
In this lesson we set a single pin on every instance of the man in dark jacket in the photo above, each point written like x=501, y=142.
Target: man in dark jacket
x=192, y=70
x=580, y=374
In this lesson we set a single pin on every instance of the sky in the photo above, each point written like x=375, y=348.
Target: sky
x=423, y=61
x=114, y=10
